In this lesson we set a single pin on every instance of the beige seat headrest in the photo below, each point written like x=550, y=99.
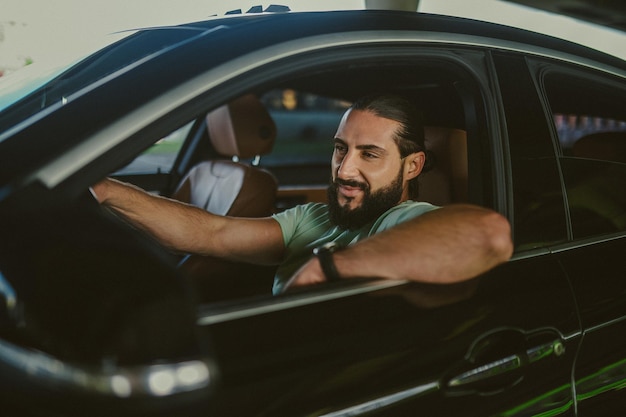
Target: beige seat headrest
x=447, y=182
x=242, y=128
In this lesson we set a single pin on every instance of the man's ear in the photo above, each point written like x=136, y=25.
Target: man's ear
x=413, y=164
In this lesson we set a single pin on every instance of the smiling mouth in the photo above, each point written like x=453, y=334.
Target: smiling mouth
x=349, y=191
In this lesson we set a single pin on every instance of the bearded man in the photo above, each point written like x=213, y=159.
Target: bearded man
x=372, y=226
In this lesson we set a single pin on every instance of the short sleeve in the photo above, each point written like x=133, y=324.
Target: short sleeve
x=302, y=219
x=400, y=214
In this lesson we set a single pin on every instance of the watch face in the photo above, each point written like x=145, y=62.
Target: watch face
x=330, y=246
x=326, y=247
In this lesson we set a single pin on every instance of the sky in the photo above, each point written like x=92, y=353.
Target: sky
x=60, y=30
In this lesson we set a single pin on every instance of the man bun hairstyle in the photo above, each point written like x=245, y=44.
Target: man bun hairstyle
x=410, y=136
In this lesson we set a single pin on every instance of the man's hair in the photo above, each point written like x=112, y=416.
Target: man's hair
x=410, y=136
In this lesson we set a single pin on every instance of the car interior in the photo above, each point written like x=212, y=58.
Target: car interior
x=269, y=150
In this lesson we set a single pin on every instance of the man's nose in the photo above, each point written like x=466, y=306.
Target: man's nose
x=349, y=166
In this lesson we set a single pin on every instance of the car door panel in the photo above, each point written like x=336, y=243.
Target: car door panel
x=587, y=108
x=484, y=346
x=597, y=272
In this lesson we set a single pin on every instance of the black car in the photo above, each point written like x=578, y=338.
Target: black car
x=99, y=319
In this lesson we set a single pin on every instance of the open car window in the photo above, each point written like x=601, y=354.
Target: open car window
x=307, y=109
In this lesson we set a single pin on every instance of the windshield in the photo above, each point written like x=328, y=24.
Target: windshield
x=30, y=92
x=19, y=84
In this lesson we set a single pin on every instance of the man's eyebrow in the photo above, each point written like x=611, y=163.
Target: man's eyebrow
x=363, y=147
x=372, y=148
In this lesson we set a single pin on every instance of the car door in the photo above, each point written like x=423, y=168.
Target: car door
x=499, y=344
x=589, y=110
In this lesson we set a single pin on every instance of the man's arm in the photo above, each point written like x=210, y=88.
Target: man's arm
x=188, y=229
x=451, y=244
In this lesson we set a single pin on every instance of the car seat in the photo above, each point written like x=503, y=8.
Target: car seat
x=241, y=129
x=606, y=146
x=447, y=182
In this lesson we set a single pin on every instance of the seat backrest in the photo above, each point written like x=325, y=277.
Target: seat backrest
x=606, y=146
x=242, y=129
x=447, y=182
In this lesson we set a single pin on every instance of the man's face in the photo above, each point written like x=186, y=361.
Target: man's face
x=368, y=173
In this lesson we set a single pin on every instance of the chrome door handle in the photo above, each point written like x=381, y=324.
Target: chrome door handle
x=495, y=361
x=507, y=364
x=486, y=371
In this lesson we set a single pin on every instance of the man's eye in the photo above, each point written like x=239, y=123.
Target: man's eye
x=369, y=155
x=340, y=149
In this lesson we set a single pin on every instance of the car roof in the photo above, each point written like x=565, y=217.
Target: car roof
x=294, y=25
x=155, y=60
x=207, y=36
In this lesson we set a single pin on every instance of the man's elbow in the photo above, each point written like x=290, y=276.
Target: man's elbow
x=498, y=237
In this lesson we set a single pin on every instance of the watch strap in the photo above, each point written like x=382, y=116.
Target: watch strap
x=325, y=255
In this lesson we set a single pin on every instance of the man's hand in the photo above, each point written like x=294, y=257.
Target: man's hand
x=308, y=274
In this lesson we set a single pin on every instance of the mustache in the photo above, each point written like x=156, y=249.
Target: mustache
x=350, y=183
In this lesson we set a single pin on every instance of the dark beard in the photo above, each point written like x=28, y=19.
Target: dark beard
x=373, y=206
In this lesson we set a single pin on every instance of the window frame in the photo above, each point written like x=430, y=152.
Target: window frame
x=484, y=155
x=157, y=118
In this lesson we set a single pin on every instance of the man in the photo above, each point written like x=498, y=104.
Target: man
x=378, y=155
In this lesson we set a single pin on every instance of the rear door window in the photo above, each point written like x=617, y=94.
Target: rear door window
x=590, y=120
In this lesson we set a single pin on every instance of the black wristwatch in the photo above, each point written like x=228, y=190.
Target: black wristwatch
x=325, y=255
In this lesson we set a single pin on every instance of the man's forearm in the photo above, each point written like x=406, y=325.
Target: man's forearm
x=172, y=223
x=188, y=229
x=451, y=244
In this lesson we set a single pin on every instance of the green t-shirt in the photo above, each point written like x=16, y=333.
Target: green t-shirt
x=307, y=226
